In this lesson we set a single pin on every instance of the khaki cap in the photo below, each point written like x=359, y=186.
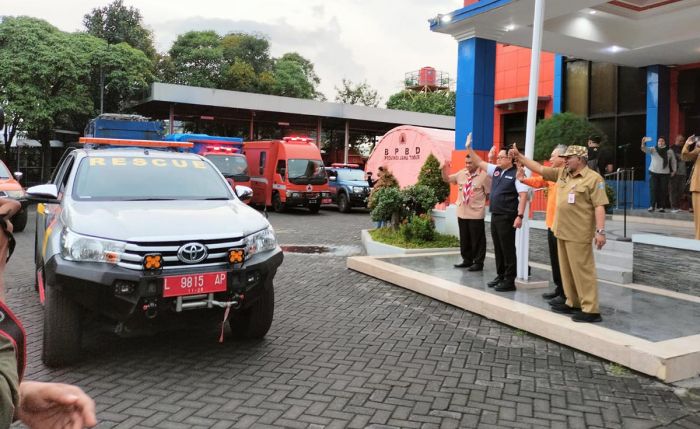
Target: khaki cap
x=576, y=151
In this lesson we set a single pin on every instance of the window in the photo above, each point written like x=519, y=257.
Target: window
x=613, y=98
x=263, y=158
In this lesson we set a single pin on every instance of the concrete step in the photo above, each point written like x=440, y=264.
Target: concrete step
x=612, y=245
x=614, y=258
x=614, y=274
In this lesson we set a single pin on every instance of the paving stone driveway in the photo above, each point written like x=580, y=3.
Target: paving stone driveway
x=347, y=350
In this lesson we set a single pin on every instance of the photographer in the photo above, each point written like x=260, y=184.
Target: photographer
x=690, y=152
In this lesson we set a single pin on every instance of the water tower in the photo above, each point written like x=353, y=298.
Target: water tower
x=427, y=79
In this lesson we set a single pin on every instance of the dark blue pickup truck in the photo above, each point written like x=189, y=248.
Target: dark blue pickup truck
x=349, y=187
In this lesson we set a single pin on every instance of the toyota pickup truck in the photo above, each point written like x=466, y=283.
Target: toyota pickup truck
x=148, y=238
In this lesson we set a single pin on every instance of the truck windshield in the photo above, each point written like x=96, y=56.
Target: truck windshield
x=351, y=174
x=229, y=165
x=306, y=171
x=126, y=178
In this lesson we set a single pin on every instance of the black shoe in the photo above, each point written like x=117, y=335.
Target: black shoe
x=586, y=317
x=549, y=295
x=463, y=264
x=505, y=287
x=564, y=309
x=559, y=300
x=476, y=267
x=494, y=282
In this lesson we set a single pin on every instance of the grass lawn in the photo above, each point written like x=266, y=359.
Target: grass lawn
x=394, y=238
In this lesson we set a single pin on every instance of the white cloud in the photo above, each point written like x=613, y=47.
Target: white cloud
x=373, y=40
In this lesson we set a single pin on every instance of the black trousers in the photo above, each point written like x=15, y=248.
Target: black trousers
x=503, y=235
x=554, y=261
x=659, y=190
x=472, y=240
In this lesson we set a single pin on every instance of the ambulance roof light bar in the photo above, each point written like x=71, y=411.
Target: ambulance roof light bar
x=298, y=139
x=134, y=143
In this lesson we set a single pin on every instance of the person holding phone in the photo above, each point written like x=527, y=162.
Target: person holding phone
x=690, y=152
x=663, y=164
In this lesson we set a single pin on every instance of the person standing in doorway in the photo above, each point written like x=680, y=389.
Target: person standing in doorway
x=663, y=163
x=508, y=200
x=678, y=180
x=557, y=160
x=473, y=187
x=580, y=219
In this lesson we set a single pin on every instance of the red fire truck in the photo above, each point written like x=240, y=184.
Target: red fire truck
x=287, y=173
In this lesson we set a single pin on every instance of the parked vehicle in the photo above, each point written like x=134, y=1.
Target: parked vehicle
x=226, y=153
x=119, y=126
x=287, y=173
x=148, y=239
x=348, y=185
x=11, y=188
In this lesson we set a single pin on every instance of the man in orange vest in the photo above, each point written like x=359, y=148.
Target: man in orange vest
x=557, y=161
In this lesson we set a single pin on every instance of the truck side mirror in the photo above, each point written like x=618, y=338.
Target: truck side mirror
x=18, y=175
x=244, y=193
x=281, y=171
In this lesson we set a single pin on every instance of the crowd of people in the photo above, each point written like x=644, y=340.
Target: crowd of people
x=668, y=185
x=575, y=220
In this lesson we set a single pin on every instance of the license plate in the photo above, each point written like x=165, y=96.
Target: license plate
x=326, y=201
x=193, y=284
x=313, y=201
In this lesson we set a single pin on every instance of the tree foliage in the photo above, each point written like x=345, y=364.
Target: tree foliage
x=117, y=23
x=47, y=78
x=562, y=128
x=250, y=49
x=360, y=93
x=431, y=176
x=439, y=102
x=198, y=59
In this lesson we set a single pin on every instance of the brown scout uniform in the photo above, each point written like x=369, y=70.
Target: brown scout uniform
x=692, y=155
x=481, y=185
x=574, y=226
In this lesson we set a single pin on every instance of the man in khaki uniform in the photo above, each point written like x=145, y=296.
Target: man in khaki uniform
x=473, y=186
x=580, y=219
x=690, y=152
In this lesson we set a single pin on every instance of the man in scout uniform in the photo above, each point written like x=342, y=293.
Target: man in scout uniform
x=691, y=152
x=557, y=161
x=473, y=186
x=580, y=219
x=508, y=200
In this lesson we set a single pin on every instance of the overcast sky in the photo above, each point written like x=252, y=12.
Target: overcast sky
x=374, y=40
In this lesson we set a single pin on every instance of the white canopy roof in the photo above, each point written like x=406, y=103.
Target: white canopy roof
x=634, y=33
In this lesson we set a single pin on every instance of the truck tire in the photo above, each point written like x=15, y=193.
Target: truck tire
x=314, y=208
x=277, y=204
x=19, y=221
x=344, y=203
x=255, y=321
x=62, y=329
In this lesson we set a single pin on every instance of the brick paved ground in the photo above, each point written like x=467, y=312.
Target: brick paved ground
x=347, y=350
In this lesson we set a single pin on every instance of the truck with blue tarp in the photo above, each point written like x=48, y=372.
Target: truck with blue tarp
x=120, y=126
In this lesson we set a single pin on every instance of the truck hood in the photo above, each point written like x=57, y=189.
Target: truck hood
x=162, y=220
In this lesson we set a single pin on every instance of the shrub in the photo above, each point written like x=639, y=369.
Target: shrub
x=419, y=227
x=563, y=128
x=431, y=176
x=395, y=205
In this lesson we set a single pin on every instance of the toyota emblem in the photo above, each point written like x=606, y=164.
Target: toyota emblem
x=191, y=253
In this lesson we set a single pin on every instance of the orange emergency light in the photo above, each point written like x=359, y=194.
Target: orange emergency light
x=134, y=143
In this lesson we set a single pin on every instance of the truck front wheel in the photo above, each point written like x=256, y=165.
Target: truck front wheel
x=254, y=321
x=62, y=329
x=277, y=204
x=19, y=221
x=344, y=203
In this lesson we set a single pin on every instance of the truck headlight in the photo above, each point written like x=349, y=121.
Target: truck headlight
x=76, y=247
x=261, y=241
x=358, y=189
x=15, y=194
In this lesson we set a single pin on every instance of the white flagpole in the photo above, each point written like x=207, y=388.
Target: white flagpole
x=523, y=234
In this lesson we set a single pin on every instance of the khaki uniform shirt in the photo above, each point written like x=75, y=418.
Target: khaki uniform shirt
x=692, y=155
x=577, y=197
x=481, y=185
x=9, y=382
